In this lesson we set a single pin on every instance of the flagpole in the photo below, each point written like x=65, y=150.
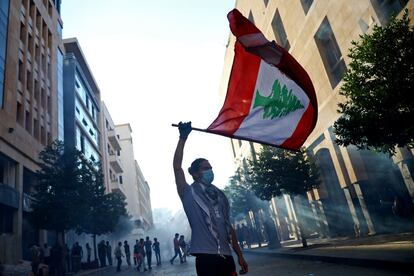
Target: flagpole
x=240, y=138
x=194, y=128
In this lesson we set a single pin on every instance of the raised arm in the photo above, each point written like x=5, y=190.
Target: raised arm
x=185, y=129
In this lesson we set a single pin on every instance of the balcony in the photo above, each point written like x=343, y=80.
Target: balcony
x=113, y=139
x=115, y=163
x=116, y=187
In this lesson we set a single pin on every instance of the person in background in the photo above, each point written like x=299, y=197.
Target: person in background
x=46, y=254
x=127, y=253
x=102, y=253
x=156, y=248
x=141, y=260
x=177, y=250
x=240, y=236
x=109, y=253
x=88, y=253
x=35, y=253
x=118, y=255
x=148, y=251
x=183, y=247
x=136, y=253
x=77, y=254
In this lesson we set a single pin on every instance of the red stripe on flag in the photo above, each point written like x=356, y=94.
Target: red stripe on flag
x=302, y=130
x=240, y=25
x=240, y=92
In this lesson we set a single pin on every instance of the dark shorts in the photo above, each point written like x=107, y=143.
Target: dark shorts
x=212, y=264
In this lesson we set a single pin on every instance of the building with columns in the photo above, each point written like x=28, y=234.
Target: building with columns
x=31, y=93
x=358, y=187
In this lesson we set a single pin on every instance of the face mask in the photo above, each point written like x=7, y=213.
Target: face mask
x=207, y=177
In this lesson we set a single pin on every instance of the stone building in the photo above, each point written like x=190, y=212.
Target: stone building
x=358, y=187
x=31, y=68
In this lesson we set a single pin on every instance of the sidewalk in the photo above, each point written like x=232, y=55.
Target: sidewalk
x=394, y=252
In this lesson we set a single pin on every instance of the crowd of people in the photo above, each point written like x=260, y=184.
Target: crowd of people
x=58, y=260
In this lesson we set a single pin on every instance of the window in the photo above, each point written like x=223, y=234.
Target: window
x=82, y=140
x=306, y=4
x=77, y=110
x=330, y=53
x=29, y=81
x=36, y=129
x=42, y=135
x=21, y=71
x=120, y=179
x=279, y=31
x=22, y=33
x=49, y=104
x=385, y=8
x=19, y=113
x=28, y=124
x=266, y=2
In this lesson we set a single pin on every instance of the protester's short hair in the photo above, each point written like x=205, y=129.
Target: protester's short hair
x=195, y=166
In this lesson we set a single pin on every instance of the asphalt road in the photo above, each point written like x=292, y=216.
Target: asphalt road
x=261, y=265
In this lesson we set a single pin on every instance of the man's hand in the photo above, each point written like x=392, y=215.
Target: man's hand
x=243, y=265
x=185, y=129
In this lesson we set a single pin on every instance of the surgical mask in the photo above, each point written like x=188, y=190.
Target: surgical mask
x=207, y=177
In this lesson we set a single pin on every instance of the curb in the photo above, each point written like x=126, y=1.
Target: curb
x=91, y=271
x=381, y=264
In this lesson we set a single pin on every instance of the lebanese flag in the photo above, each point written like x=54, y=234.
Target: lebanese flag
x=270, y=97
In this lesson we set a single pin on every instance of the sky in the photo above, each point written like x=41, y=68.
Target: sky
x=157, y=63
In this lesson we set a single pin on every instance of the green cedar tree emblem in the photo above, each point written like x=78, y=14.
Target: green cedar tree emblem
x=279, y=103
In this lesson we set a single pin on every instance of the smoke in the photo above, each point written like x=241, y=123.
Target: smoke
x=166, y=224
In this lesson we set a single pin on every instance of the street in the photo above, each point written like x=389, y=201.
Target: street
x=262, y=265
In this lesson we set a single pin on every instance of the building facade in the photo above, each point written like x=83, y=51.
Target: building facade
x=144, y=199
x=111, y=147
x=358, y=187
x=81, y=103
x=30, y=80
x=135, y=187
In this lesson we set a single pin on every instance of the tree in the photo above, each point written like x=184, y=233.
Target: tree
x=277, y=171
x=58, y=196
x=243, y=200
x=379, y=108
x=240, y=196
x=103, y=211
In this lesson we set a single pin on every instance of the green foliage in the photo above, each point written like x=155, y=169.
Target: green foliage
x=379, y=109
x=277, y=171
x=58, y=196
x=240, y=195
x=104, y=210
x=279, y=103
x=70, y=194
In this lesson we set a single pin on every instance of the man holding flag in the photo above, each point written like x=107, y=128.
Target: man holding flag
x=207, y=210
x=271, y=100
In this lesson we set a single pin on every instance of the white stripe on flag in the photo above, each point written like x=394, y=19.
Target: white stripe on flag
x=277, y=130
